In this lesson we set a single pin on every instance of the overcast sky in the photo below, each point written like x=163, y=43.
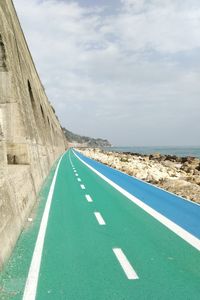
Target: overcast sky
x=125, y=70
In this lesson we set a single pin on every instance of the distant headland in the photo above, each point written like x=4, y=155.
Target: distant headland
x=77, y=140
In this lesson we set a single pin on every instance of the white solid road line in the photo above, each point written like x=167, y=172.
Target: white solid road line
x=79, y=179
x=185, y=235
x=82, y=186
x=99, y=218
x=125, y=264
x=32, y=279
x=88, y=197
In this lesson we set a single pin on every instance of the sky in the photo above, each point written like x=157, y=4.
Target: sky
x=124, y=70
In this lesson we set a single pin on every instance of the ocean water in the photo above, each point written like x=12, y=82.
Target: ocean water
x=178, y=151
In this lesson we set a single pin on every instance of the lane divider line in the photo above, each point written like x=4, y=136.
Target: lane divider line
x=82, y=186
x=178, y=230
x=125, y=264
x=79, y=179
x=88, y=198
x=76, y=174
x=99, y=218
x=74, y=171
x=33, y=274
x=70, y=160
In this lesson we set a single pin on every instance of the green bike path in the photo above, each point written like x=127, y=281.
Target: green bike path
x=78, y=259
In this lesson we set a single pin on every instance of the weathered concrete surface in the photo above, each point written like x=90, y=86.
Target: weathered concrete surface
x=31, y=138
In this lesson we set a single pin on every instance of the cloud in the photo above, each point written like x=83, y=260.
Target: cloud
x=165, y=26
x=122, y=75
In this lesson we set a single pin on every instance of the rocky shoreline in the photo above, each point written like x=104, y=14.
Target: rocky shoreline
x=179, y=175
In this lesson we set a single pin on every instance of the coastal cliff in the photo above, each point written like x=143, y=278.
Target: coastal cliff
x=77, y=140
x=179, y=175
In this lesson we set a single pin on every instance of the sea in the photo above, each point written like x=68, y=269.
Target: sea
x=178, y=151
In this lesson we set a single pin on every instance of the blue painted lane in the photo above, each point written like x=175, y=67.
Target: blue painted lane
x=181, y=211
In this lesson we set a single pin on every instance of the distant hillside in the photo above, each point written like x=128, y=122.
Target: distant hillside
x=78, y=140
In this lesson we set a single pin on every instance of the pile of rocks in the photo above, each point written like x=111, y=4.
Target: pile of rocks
x=180, y=175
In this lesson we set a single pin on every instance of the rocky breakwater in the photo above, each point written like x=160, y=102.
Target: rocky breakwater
x=180, y=175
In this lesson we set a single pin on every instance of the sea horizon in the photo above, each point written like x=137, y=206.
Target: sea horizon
x=182, y=151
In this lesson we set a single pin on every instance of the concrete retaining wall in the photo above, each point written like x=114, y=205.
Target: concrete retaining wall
x=31, y=138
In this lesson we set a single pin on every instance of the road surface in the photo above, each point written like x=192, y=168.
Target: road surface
x=105, y=235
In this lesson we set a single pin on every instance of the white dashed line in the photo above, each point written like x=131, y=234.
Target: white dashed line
x=74, y=171
x=184, y=234
x=125, y=264
x=76, y=174
x=70, y=160
x=82, y=186
x=79, y=179
x=88, y=197
x=99, y=218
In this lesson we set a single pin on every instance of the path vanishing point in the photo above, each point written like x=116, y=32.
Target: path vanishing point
x=105, y=235
x=95, y=233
